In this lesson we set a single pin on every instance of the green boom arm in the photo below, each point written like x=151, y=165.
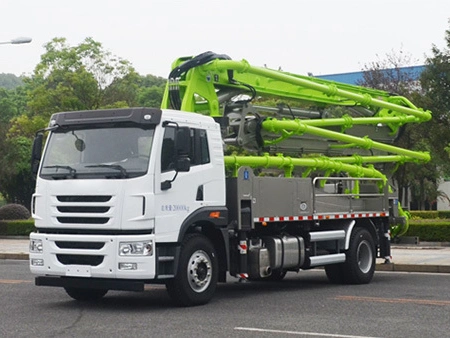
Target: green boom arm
x=209, y=82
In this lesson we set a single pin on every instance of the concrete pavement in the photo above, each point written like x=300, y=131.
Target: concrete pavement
x=424, y=257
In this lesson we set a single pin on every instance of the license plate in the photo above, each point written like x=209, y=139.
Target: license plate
x=78, y=271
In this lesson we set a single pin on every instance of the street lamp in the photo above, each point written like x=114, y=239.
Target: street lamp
x=17, y=41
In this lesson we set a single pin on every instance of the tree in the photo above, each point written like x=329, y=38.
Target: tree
x=150, y=96
x=151, y=91
x=6, y=106
x=12, y=103
x=435, y=82
x=10, y=81
x=16, y=181
x=82, y=77
x=78, y=78
x=392, y=74
x=151, y=80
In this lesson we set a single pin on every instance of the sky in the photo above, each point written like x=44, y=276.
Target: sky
x=316, y=36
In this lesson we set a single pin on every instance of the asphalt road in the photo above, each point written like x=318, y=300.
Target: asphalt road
x=395, y=304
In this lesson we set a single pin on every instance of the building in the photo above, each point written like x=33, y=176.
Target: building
x=357, y=77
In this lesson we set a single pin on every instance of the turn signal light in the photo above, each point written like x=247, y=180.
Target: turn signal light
x=214, y=214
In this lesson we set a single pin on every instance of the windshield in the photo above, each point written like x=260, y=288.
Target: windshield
x=97, y=152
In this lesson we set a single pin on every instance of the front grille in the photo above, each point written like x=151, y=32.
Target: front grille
x=83, y=220
x=79, y=245
x=92, y=206
x=88, y=199
x=80, y=260
x=99, y=210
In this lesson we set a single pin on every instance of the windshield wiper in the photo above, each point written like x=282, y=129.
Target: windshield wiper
x=71, y=170
x=123, y=172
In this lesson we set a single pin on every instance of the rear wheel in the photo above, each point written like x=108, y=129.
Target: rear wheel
x=360, y=261
x=335, y=273
x=276, y=275
x=196, y=278
x=85, y=295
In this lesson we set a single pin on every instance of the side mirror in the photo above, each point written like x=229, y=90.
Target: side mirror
x=36, y=153
x=80, y=145
x=182, y=149
x=183, y=164
x=182, y=141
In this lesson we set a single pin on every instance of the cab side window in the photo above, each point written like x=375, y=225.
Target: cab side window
x=199, y=147
x=198, y=155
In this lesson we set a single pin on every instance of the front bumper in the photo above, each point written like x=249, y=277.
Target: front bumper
x=90, y=256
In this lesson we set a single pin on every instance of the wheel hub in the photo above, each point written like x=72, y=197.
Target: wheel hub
x=364, y=255
x=199, y=271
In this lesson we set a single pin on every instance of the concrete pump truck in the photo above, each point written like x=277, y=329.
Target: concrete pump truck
x=243, y=171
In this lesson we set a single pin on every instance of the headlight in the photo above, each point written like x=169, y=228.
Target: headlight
x=136, y=248
x=36, y=245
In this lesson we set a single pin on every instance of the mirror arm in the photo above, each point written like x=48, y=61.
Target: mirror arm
x=166, y=185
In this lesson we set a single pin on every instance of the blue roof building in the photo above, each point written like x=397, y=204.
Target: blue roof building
x=355, y=77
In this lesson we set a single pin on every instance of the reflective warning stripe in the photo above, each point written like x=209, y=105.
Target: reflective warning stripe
x=320, y=217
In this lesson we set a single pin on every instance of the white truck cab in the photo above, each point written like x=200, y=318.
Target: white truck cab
x=114, y=188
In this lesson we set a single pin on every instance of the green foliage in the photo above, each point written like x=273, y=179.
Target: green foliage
x=150, y=96
x=2, y=201
x=435, y=81
x=16, y=181
x=444, y=214
x=14, y=212
x=10, y=81
x=16, y=228
x=430, y=214
x=24, y=126
x=152, y=81
x=12, y=103
x=430, y=230
x=82, y=77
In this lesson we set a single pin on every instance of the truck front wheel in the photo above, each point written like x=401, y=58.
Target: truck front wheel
x=197, y=274
x=359, y=266
x=85, y=295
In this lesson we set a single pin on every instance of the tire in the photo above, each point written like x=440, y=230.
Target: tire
x=276, y=275
x=86, y=295
x=335, y=273
x=197, y=273
x=359, y=266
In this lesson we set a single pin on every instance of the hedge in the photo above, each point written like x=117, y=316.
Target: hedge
x=16, y=228
x=430, y=214
x=430, y=230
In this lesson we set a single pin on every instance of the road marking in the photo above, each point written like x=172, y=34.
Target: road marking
x=13, y=281
x=298, y=333
x=395, y=300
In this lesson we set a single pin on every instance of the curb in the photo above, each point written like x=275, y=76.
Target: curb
x=413, y=268
x=17, y=256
